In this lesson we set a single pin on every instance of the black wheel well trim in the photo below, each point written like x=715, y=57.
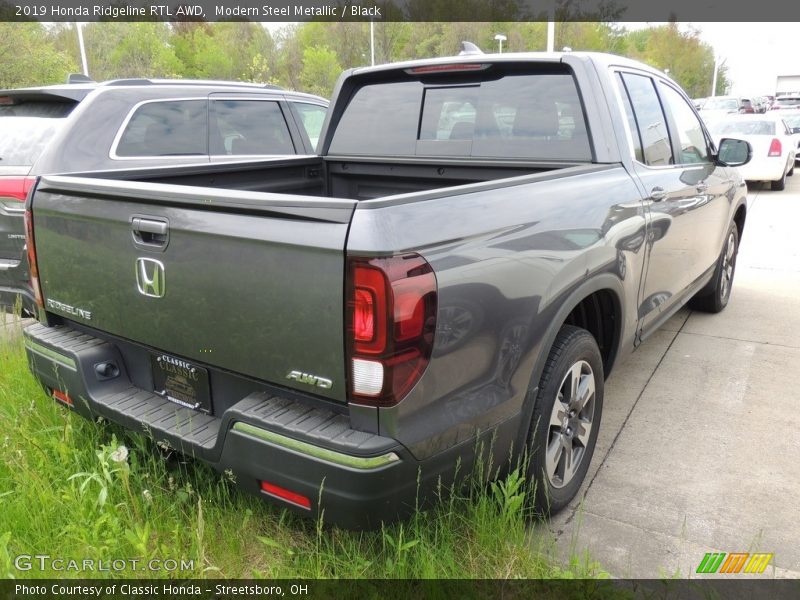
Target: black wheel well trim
x=602, y=282
x=740, y=216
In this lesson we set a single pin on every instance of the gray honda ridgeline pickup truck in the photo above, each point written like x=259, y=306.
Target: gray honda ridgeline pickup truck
x=479, y=241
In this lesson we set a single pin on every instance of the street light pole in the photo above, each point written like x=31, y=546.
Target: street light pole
x=79, y=27
x=500, y=39
x=717, y=66
x=372, y=41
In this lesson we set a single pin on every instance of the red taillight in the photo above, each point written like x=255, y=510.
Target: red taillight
x=16, y=188
x=63, y=397
x=32, y=264
x=775, y=148
x=391, y=318
x=284, y=494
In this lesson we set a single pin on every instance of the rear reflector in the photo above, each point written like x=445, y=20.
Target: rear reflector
x=62, y=397
x=16, y=188
x=775, y=148
x=287, y=495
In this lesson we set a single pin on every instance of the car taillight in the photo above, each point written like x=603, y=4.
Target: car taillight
x=391, y=319
x=16, y=188
x=32, y=264
x=775, y=148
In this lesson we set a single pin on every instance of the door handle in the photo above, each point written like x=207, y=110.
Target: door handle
x=657, y=194
x=150, y=232
x=702, y=187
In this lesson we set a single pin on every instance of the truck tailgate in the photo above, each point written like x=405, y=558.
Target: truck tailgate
x=248, y=282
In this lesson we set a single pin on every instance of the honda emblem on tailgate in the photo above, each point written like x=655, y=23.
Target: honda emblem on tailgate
x=150, y=277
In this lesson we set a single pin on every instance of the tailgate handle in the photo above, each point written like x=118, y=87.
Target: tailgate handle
x=153, y=232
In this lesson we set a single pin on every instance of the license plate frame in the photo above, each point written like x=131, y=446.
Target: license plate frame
x=181, y=381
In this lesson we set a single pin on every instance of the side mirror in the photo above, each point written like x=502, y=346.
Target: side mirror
x=734, y=153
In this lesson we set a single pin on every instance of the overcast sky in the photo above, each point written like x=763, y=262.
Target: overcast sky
x=756, y=53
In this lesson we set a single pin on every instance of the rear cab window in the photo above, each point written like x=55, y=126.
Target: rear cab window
x=27, y=127
x=536, y=114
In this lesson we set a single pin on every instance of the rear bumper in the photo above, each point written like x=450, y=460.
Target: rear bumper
x=359, y=479
x=764, y=169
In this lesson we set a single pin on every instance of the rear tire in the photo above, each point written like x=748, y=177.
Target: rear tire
x=566, y=419
x=778, y=186
x=716, y=299
x=791, y=170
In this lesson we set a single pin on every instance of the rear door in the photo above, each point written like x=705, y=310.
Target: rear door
x=685, y=193
x=249, y=282
x=27, y=124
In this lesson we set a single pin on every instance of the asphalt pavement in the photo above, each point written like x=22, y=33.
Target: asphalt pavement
x=699, y=449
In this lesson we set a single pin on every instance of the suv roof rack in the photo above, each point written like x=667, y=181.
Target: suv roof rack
x=198, y=82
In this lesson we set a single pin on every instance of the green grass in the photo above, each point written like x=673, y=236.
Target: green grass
x=63, y=493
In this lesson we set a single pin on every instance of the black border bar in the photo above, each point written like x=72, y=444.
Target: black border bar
x=400, y=10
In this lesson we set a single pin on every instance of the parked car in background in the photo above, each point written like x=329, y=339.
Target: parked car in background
x=722, y=106
x=135, y=123
x=787, y=102
x=759, y=104
x=792, y=120
x=774, y=146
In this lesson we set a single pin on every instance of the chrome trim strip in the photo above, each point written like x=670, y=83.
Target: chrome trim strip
x=46, y=352
x=346, y=460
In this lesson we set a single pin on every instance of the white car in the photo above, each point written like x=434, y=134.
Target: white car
x=721, y=107
x=792, y=119
x=774, y=146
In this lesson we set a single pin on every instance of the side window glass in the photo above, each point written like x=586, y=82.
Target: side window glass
x=248, y=128
x=311, y=116
x=168, y=128
x=694, y=148
x=650, y=120
x=626, y=104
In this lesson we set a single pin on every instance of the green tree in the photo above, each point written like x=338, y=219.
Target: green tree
x=321, y=69
x=29, y=57
x=690, y=60
x=120, y=50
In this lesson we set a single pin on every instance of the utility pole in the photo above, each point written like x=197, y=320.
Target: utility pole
x=551, y=27
x=717, y=66
x=372, y=41
x=79, y=27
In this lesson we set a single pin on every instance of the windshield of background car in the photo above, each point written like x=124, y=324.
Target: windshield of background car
x=787, y=102
x=721, y=104
x=26, y=128
x=744, y=127
x=792, y=121
x=535, y=115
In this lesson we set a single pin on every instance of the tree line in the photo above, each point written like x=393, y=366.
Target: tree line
x=310, y=56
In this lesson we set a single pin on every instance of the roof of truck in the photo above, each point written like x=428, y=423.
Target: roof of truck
x=600, y=58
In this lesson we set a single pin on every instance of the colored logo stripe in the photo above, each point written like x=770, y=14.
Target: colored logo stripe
x=714, y=562
x=711, y=562
x=734, y=562
x=758, y=563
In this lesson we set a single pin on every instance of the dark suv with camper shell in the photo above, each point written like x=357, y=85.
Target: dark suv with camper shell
x=131, y=124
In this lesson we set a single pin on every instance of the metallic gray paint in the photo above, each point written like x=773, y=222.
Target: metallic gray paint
x=512, y=258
